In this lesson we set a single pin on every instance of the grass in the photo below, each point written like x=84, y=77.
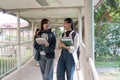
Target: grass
x=112, y=61
x=5, y=62
x=107, y=63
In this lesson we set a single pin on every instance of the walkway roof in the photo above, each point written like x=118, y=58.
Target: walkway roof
x=37, y=9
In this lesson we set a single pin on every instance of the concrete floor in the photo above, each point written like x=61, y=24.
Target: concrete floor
x=30, y=71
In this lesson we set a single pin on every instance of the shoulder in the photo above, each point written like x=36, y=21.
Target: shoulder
x=51, y=34
x=63, y=34
x=74, y=34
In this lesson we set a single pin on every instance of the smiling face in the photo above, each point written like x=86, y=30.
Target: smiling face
x=67, y=26
x=46, y=25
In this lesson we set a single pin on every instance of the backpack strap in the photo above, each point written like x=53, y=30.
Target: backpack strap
x=73, y=35
x=63, y=34
x=78, y=52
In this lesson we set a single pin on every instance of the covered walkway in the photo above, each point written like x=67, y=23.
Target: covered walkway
x=56, y=11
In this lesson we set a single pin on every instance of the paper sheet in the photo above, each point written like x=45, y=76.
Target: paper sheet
x=41, y=41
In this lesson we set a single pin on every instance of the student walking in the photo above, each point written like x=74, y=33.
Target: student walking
x=35, y=45
x=68, y=57
x=47, y=53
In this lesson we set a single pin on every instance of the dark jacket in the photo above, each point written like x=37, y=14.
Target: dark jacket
x=50, y=53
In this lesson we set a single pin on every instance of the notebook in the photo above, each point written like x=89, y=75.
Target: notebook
x=41, y=41
x=67, y=41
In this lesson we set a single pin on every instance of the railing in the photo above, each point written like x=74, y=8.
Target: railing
x=93, y=69
x=10, y=35
x=8, y=57
x=87, y=66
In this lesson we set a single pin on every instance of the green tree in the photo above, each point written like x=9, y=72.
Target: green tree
x=107, y=28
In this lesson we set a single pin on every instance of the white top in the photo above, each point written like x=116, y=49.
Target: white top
x=74, y=47
x=42, y=53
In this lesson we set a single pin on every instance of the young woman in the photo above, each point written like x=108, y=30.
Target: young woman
x=35, y=44
x=68, y=57
x=47, y=53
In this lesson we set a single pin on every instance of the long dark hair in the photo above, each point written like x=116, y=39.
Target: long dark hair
x=44, y=21
x=70, y=21
x=37, y=31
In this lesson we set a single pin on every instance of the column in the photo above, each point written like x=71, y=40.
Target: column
x=89, y=28
x=18, y=40
x=80, y=24
x=32, y=30
x=89, y=36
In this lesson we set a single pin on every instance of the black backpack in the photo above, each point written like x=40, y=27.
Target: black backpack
x=78, y=51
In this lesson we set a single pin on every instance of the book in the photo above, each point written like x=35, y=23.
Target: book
x=41, y=41
x=67, y=41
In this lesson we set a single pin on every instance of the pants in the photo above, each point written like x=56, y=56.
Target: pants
x=65, y=64
x=46, y=66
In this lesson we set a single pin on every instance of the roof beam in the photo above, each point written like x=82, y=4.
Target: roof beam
x=43, y=2
x=48, y=18
x=43, y=8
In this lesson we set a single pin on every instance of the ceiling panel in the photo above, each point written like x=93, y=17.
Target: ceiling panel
x=14, y=4
x=43, y=12
x=52, y=13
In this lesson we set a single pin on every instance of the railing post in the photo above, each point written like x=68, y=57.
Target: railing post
x=80, y=24
x=33, y=36
x=80, y=37
x=18, y=40
x=32, y=30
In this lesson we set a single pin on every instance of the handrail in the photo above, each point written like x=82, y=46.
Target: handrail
x=93, y=69
x=15, y=44
x=8, y=57
x=16, y=28
x=87, y=65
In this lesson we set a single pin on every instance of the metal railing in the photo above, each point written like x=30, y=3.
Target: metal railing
x=87, y=65
x=9, y=57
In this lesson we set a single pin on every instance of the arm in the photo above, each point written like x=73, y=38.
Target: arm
x=52, y=44
x=36, y=45
x=76, y=44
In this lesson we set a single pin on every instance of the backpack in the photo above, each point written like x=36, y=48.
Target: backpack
x=78, y=51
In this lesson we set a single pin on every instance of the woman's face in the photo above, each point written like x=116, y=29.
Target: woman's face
x=38, y=31
x=46, y=26
x=67, y=25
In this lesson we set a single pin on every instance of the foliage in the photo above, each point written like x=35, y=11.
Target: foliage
x=14, y=38
x=107, y=29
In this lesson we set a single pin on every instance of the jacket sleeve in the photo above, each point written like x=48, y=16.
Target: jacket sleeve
x=52, y=44
x=36, y=45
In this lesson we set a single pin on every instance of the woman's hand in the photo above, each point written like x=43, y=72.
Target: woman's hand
x=62, y=45
x=59, y=45
x=47, y=44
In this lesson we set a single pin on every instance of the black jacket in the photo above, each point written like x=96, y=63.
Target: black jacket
x=50, y=53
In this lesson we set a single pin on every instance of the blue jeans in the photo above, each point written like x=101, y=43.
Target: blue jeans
x=46, y=66
x=65, y=64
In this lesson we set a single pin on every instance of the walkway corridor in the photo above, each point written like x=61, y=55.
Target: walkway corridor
x=30, y=71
